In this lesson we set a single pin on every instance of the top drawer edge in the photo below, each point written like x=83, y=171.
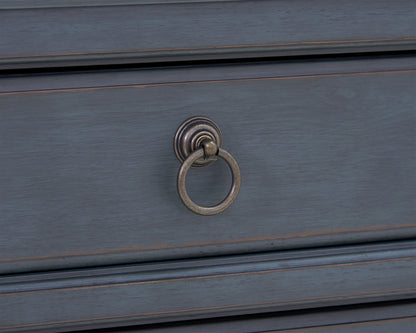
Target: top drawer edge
x=207, y=54
x=25, y=4
x=102, y=32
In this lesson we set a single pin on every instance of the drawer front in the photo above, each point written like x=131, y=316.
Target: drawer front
x=46, y=33
x=233, y=286
x=88, y=171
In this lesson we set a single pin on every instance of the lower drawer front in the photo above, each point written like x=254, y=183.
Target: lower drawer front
x=230, y=286
x=88, y=172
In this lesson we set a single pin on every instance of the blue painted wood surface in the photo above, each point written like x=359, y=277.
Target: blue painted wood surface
x=92, y=232
x=212, y=287
x=71, y=36
x=89, y=174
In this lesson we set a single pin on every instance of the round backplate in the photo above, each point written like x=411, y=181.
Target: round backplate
x=191, y=133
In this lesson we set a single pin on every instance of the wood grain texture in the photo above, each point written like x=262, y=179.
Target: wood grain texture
x=92, y=232
x=405, y=325
x=24, y=4
x=89, y=175
x=186, y=290
x=202, y=73
x=387, y=316
x=44, y=37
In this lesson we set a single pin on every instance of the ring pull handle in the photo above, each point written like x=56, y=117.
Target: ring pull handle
x=198, y=143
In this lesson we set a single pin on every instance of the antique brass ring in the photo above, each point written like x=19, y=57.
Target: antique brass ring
x=232, y=194
x=198, y=143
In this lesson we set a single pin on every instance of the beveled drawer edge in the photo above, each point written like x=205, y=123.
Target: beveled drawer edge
x=26, y=4
x=319, y=272
x=312, y=48
x=25, y=86
x=391, y=316
x=141, y=255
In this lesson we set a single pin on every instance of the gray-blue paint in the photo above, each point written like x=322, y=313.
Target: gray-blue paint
x=212, y=30
x=88, y=176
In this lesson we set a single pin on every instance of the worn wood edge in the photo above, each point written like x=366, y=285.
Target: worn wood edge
x=119, y=323
x=141, y=255
x=319, y=318
x=365, y=326
x=343, y=261
x=206, y=73
x=28, y=88
x=223, y=265
x=208, y=53
x=32, y=4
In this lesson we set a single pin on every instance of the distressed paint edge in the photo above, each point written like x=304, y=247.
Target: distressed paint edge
x=139, y=255
x=365, y=257
x=33, y=4
x=225, y=52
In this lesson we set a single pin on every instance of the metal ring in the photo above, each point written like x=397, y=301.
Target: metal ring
x=232, y=194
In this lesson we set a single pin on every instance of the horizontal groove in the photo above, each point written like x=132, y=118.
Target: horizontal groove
x=142, y=77
x=207, y=267
x=158, y=292
x=153, y=31
x=43, y=4
x=199, y=63
x=395, y=311
x=224, y=258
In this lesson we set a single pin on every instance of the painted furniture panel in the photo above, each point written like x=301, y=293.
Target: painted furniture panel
x=88, y=173
x=214, y=287
x=67, y=33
